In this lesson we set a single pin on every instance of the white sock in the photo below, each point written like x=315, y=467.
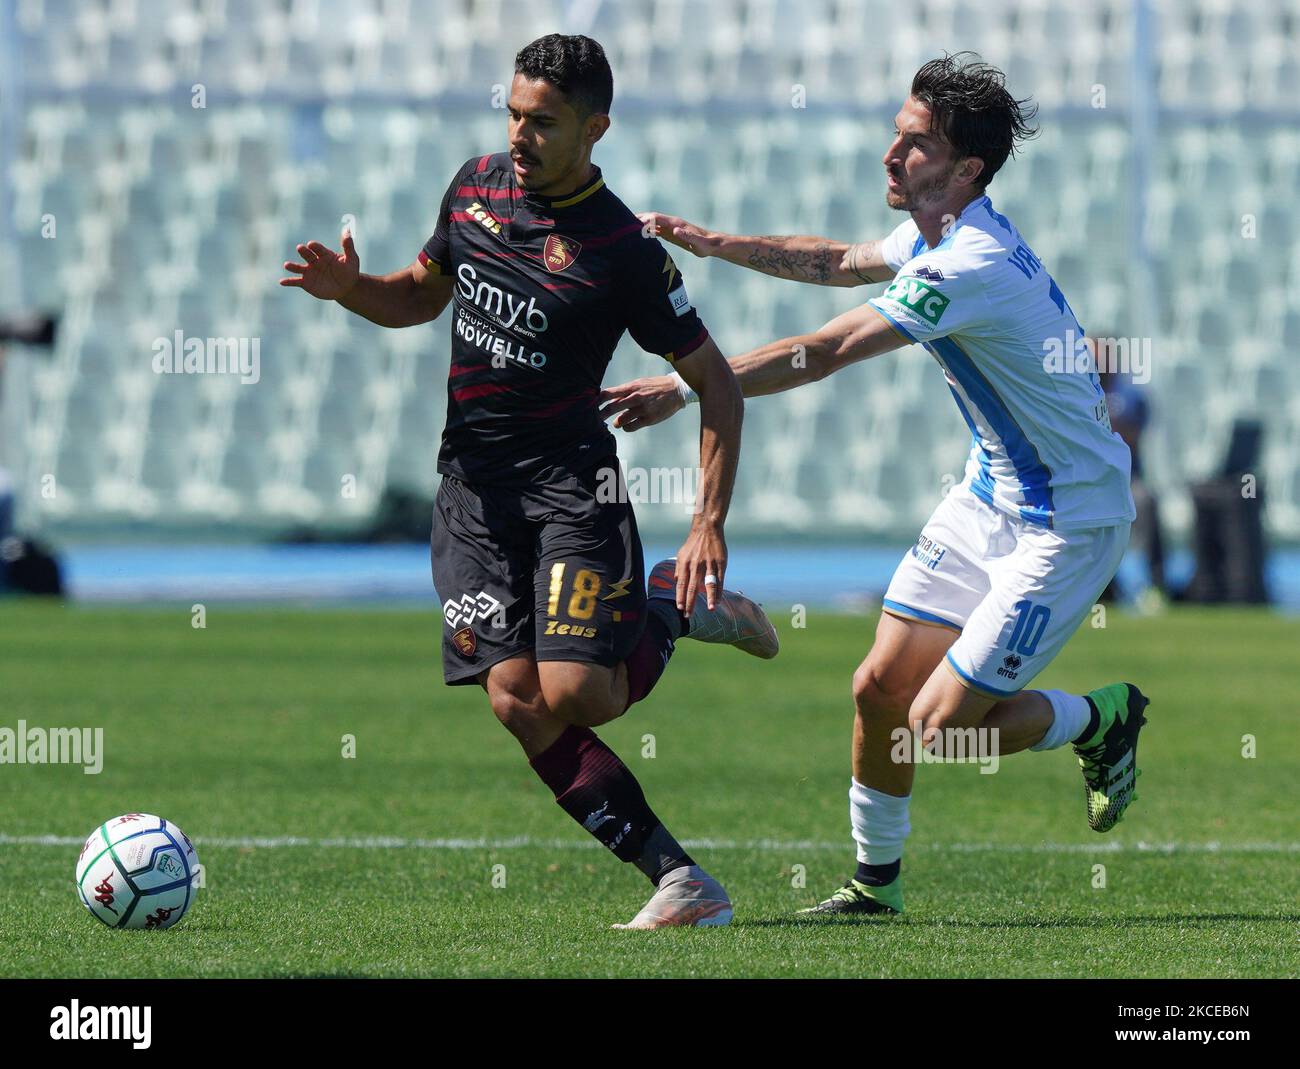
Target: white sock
x=880, y=824
x=1072, y=715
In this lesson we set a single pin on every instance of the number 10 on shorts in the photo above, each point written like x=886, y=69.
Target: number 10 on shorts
x=1031, y=622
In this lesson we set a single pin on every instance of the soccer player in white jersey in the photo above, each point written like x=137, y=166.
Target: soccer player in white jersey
x=1016, y=555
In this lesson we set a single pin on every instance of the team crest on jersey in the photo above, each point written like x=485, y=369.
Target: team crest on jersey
x=465, y=641
x=559, y=252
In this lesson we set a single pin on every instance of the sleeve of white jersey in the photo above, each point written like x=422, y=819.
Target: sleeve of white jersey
x=933, y=295
x=896, y=249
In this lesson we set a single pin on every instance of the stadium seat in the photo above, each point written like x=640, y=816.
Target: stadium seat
x=169, y=216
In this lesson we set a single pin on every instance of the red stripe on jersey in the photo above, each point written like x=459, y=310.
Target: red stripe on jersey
x=482, y=163
x=613, y=236
x=485, y=194
x=590, y=283
x=468, y=393
x=461, y=369
x=559, y=406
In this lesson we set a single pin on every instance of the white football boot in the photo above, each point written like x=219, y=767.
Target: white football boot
x=734, y=621
x=687, y=897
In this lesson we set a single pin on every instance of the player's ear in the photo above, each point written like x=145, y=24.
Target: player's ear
x=595, y=127
x=970, y=170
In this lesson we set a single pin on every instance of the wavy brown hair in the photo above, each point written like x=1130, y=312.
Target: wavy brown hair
x=971, y=107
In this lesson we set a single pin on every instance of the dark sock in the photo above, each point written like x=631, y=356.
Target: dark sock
x=597, y=790
x=877, y=875
x=666, y=613
x=661, y=855
x=666, y=610
x=649, y=658
x=1094, y=722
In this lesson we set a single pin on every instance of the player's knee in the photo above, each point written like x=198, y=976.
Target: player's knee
x=879, y=694
x=517, y=709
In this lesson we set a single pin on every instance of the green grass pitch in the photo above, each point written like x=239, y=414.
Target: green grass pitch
x=235, y=733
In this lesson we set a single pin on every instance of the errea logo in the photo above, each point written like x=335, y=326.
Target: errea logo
x=923, y=299
x=1010, y=666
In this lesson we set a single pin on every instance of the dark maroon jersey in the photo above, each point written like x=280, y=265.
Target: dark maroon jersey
x=544, y=288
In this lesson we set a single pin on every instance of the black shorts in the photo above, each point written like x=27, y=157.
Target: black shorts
x=554, y=570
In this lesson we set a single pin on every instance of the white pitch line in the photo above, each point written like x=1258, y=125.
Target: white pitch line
x=764, y=845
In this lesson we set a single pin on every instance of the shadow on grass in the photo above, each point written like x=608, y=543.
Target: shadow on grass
x=1163, y=921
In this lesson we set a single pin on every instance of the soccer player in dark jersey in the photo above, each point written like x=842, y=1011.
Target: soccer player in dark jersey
x=535, y=549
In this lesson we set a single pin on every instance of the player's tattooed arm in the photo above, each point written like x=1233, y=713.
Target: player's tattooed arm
x=865, y=263
x=807, y=259
x=819, y=261
x=798, y=258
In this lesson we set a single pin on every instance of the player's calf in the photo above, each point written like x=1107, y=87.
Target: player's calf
x=598, y=791
x=586, y=777
x=586, y=695
x=515, y=696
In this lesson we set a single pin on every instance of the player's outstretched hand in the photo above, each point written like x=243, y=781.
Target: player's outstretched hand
x=325, y=273
x=641, y=402
x=703, y=555
x=681, y=233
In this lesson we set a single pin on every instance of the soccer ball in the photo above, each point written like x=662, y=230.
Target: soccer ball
x=138, y=871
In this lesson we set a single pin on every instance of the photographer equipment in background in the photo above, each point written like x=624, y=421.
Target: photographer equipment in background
x=1229, y=533
x=26, y=566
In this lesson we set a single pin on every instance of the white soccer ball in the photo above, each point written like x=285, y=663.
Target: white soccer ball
x=138, y=871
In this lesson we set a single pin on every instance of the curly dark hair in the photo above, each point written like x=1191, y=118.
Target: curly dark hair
x=970, y=106
x=575, y=65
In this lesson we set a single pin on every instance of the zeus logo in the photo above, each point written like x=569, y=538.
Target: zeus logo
x=505, y=307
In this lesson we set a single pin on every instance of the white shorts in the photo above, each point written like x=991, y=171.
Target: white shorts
x=1015, y=591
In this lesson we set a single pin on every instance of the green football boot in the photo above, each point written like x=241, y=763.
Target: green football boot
x=1109, y=757
x=858, y=898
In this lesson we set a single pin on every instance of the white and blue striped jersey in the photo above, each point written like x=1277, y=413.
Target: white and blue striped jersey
x=1016, y=361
